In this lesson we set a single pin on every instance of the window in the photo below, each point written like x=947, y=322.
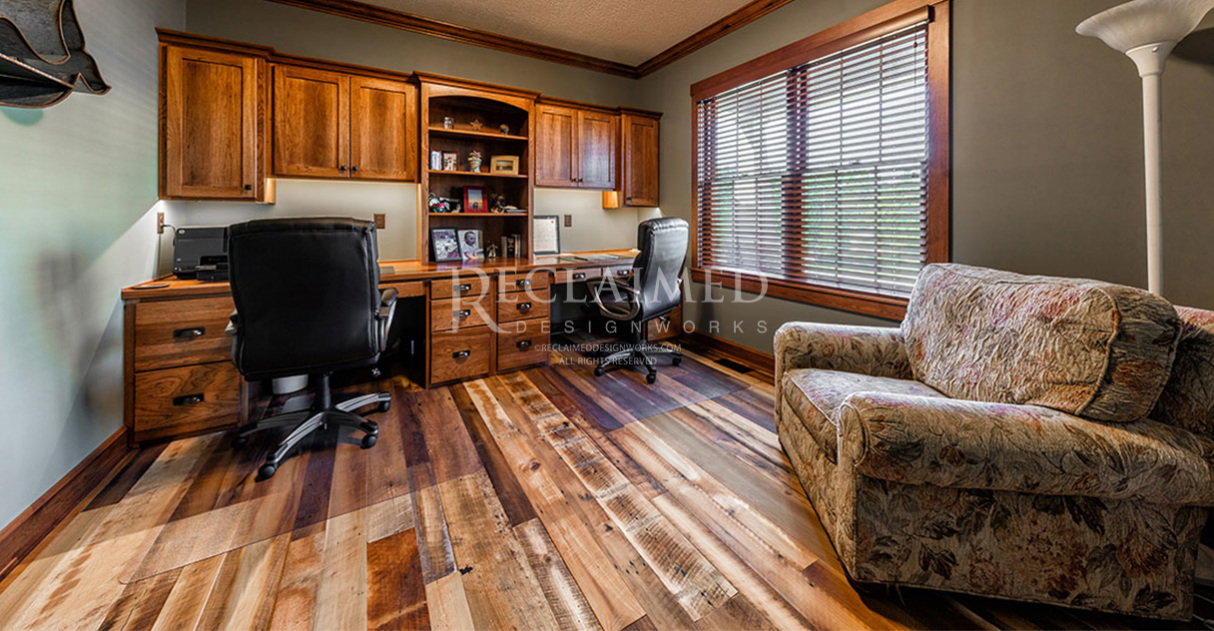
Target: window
x=826, y=179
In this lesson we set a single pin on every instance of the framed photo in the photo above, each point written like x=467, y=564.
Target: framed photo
x=450, y=161
x=505, y=165
x=545, y=234
x=475, y=200
x=444, y=244
x=436, y=161
x=470, y=244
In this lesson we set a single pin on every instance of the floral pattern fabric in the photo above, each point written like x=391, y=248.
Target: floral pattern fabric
x=1188, y=398
x=1089, y=348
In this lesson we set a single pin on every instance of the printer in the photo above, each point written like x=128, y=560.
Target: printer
x=201, y=252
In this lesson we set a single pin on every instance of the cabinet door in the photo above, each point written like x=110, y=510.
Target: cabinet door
x=597, y=139
x=556, y=147
x=383, y=129
x=211, y=127
x=640, y=161
x=311, y=123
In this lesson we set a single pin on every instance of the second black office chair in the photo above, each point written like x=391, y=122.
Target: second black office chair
x=308, y=302
x=654, y=290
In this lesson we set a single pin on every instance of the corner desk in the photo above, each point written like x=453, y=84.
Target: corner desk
x=480, y=318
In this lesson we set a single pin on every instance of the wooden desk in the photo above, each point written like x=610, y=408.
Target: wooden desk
x=480, y=319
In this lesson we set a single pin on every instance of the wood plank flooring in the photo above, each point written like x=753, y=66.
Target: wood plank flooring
x=541, y=499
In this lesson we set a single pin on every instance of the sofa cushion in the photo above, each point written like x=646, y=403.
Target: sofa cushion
x=1188, y=398
x=816, y=395
x=1085, y=347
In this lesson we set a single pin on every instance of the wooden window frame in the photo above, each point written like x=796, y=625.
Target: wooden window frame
x=867, y=27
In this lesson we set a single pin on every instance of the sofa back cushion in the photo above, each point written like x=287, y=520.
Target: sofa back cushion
x=1187, y=400
x=1088, y=348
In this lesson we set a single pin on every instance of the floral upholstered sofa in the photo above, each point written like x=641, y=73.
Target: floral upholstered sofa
x=1032, y=438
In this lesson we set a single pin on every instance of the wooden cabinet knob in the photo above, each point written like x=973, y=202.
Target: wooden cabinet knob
x=341, y=168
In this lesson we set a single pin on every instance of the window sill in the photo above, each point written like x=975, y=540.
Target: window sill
x=842, y=299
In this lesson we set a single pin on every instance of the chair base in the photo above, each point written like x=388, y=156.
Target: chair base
x=639, y=353
x=321, y=416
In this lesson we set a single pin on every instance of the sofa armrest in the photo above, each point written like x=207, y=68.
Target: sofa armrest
x=1030, y=449
x=869, y=350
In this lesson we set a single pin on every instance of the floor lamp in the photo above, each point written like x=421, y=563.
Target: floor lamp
x=1147, y=31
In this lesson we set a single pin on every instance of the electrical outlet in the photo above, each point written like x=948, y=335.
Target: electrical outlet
x=381, y=221
x=160, y=222
x=568, y=221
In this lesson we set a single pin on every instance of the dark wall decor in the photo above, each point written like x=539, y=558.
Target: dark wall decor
x=42, y=56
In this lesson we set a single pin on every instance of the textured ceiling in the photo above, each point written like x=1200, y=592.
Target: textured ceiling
x=626, y=31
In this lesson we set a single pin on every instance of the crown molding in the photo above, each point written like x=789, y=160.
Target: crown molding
x=362, y=11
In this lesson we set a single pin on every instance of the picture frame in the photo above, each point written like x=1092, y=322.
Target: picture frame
x=503, y=165
x=444, y=245
x=545, y=235
x=450, y=161
x=436, y=161
x=475, y=199
x=470, y=246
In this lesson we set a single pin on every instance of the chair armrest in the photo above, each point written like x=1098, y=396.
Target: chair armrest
x=1030, y=449
x=233, y=326
x=634, y=303
x=868, y=350
x=387, y=311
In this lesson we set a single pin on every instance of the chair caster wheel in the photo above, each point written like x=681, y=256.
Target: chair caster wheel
x=369, y=440
x=384, y=406
x=651, y=377
x=239, y=442
x=267, y=471
x=599, y=371
x=676, y=361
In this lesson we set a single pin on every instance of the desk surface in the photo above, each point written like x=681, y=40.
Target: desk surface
x=402, y=271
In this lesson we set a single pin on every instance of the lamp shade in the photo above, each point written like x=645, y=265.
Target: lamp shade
x=1142, y=22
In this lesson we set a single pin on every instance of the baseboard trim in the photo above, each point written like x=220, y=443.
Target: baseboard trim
x=31, y=527
x=744, y=355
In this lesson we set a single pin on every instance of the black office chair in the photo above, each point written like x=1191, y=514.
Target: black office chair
x=308, y=302
x=654, y=290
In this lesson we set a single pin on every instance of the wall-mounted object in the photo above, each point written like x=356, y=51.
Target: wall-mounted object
x=42, y=56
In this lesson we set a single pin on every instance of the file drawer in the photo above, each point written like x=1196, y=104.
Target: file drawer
x=453, y=315
x=523, y=343
x=523, y=305
x=174, y=333
x=180, y=401
x=458, y=356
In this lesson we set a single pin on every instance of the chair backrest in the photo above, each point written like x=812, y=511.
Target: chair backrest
x=658, y=269
x=306, y=293
x=1085, y=347
x=1187, y=400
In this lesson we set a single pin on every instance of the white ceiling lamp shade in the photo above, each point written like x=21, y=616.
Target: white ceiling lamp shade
x=1147, y=31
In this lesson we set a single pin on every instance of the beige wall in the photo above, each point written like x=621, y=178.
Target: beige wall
x=1047, y=149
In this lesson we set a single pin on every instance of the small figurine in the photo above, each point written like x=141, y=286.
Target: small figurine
x=438, y=204
x=448, y=122
x=504, y=128
x=491, y=252
x=476, y=124
x=499, y=203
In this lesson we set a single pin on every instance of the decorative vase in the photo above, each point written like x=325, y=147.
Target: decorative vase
x=474, y=164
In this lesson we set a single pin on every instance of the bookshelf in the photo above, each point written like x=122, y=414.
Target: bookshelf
x=460, y=103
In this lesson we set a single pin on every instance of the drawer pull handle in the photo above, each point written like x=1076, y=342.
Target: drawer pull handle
x=463, y=289
x=524, y=345
x=190, y=334
x=579, y=276
x=522, y=283
x=458, y=355
x=189, y=399
x=524, y=307
x=623, y=272
x=462, y=314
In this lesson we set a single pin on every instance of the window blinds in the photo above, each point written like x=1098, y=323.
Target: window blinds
x=818, y=174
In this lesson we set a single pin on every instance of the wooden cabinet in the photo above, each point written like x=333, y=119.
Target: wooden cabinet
x=212, y=129
x=339, y=126
x=639, y=140
x=576, y=147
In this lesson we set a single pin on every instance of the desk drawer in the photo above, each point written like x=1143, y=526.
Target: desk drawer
x=523, y=343
x=458, y=356
x=563, y=276
x=667, y=326
x=523, y=305
x=174, y=333
x=451, y=315
x=621, y=271
x=465, y=286
x=526, y=281
x=189, y=400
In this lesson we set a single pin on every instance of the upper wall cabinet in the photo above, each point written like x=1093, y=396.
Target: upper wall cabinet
x=212, y=129
x=576, y=146
x=334, y=125
x=639, y=158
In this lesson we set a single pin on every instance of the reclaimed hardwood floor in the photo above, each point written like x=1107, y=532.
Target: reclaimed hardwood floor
x=542, y=499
